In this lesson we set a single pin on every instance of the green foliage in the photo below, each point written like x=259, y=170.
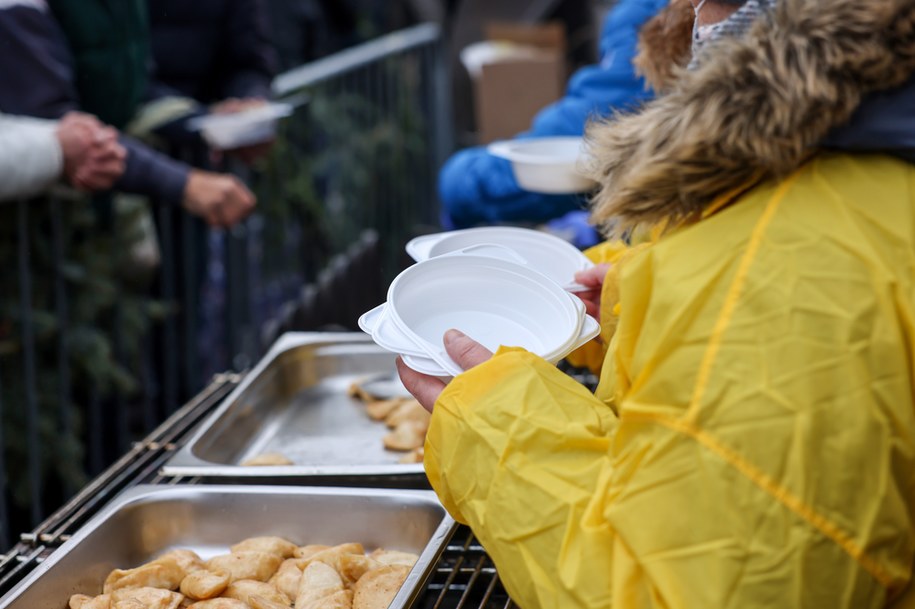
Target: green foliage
x=100, y=280
x=358, y=158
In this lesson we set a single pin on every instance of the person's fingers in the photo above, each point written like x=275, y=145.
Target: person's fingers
x=424, y=388
x=221, y=214
x=593, y=276
x=240, y=203
x=592, y=309
x=465, y=351
x=100, y=171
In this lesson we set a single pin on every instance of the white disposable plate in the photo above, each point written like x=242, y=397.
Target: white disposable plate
x=387, y=334
x=494, y=301
x=590, y=329
x=543, y=252
x=424, y=365
x=582, y=315
x=550, y=165
x=245, y=128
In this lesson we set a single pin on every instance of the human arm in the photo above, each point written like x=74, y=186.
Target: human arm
x=489, y=477
x=476, y=187
x=36, y=152
x=220, y=199
x=581, y=510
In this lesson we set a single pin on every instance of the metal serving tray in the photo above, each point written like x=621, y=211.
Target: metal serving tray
x=295, y=403
x=146, y=521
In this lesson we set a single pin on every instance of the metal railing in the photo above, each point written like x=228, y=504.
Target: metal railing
x=113, y=312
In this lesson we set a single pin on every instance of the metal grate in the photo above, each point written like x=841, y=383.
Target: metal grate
x=463, y=578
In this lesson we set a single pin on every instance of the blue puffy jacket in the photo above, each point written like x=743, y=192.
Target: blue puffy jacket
x=478, y=188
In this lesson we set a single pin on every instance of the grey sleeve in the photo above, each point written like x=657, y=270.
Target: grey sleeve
x=30, y=156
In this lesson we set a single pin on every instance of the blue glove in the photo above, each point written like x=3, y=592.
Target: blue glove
x=575, y=228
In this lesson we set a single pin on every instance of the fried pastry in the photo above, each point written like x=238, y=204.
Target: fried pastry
x=320, y=582
x=246, y=565
x=394, y=557
x=382, y=409
x=204, y=584
x=187, y=560
x=220, y=603
x=309, y=551
x=81, y=601
x=162, y=573
x=406, y=436
x=414, y=456
x=377, y=588
x=287, y=577
x=271, y=545
x=334, y=556
x=146, y=598
x=259, y=602
x=244, y=589
x=353, y=566
x=408, y=410
x=267, y=459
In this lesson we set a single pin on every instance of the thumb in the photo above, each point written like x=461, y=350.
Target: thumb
x=465, y=351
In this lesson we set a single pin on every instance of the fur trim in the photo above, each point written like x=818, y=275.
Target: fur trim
x=664, y=44
x=756, y=107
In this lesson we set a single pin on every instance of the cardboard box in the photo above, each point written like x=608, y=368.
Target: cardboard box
x=509, y=92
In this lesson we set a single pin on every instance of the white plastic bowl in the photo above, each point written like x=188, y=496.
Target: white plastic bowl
x=386, y=333
x=494, y=301
x=549, y=165
x=245, y=128
x=543, y=252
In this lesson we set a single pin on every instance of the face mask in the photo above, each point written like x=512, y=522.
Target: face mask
x=701, y=33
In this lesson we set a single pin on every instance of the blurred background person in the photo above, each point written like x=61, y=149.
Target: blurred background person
x=215, y=55
x=93, y=56
x=34, y=153
x=476, y=187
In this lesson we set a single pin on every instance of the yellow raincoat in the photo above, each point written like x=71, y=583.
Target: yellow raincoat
x=752, y=440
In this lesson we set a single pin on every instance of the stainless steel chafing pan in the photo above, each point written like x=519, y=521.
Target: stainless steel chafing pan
x=295, y=403
x=149, y=520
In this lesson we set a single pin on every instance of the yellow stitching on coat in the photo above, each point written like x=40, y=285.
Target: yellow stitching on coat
x=773, y=488
x=733, y=296
x=727, y=198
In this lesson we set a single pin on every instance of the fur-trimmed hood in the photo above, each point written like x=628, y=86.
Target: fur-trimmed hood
x=757, y=107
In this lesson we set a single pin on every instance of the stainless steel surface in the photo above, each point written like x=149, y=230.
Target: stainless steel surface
x=148, y=520
x=355, y=57
x=295, y=403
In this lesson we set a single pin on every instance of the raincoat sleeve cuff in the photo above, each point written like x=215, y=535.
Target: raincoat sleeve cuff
x=511, y=405
x=511, y=434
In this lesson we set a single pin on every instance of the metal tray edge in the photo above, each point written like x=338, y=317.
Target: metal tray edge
x=185, y=463
x=416, y=578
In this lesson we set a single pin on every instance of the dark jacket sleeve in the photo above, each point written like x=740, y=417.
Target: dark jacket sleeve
x=151, y=173
x=248, y=50
x=36, y=68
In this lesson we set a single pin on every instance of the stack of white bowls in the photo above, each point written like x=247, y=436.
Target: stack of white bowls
x=499, y=286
